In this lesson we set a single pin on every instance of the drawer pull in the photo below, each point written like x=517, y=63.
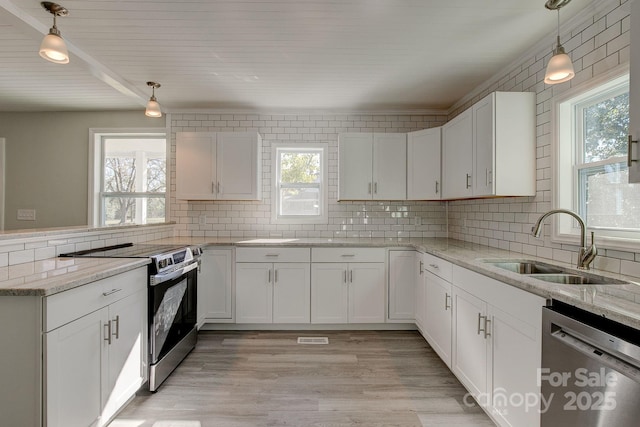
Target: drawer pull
x=436, y=266
x=112, y=291
x=348, y=255
x=272, y=255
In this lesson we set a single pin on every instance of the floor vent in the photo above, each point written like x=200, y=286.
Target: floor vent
x=313, y=340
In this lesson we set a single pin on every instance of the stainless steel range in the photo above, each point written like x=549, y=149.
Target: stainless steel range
x=172, y=286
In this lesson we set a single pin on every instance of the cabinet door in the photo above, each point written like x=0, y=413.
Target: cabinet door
x=215, y=291
x=457, y=159
x=254, y=292
x=195, y=165
x=127, y=351
x=356, y=162
x=634, y=92
x=438, y=315
x=366, y=292
x=469, y=361
x=329, y=293
x=74, y=371
x=389, y=166
x=291, y=293
x=483, y=147
x=516, y=357
x=419, y=307
x=423, y=165
x=237, y=166
x=402, y=271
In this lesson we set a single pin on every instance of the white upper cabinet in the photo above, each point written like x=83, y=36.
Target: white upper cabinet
x=634, y=94
x=423, y=165
x=489, y=149
x=373, y=166
x=457, y=160
x=218, y=166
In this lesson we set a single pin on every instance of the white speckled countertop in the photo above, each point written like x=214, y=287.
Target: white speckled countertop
x=616, y=302
x=53, y=275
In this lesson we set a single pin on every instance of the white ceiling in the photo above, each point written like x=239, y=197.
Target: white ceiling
x=391, y=55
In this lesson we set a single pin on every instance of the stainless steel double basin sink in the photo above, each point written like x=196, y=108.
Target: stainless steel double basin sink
x=552, y=273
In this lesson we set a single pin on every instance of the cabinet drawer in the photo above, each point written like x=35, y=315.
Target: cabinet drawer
x=348, y=255
x=69, y=305
x=273, y=254
x=438, y=266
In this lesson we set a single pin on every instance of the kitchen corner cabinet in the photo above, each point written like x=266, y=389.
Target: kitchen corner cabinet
x=489, y=149
x=372, y=166
x=348, y=285
x=215, y=286
x=273, y=285
x=401, y=285
x=76, y=357
x=423, y=165
x=496, y=343
x=218, y=165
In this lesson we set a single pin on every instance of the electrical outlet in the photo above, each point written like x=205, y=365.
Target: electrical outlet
x=26, y=214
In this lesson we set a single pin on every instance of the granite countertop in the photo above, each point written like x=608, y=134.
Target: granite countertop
x=53, y=275
x=617, y=302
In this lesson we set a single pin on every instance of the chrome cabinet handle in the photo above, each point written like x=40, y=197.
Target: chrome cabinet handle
x=272, y=255
x=421, y=267
x=218, y=186
x=468, y=183
x=630, y=160
x=486, y=327
x=108, y=337
x=375, y=187
x=112, y=291
x=275, y=276
x=348, y=255
x=480, y=317
x=369, y=188
x=436, y=187
x=490, y=176
x=269, y=279
x=436, y=266
x=447, y=297
x=351, y=276
x=345, y=276
x=117, y=322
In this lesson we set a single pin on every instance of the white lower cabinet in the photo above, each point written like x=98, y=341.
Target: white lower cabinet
x=438, y=315
x=94, y=363
x=348, y=292
x=273, y=292
x=497, y=344
x=215, y=286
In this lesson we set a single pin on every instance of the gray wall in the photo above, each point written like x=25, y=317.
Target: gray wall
x=47, y=163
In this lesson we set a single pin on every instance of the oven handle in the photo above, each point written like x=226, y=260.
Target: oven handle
x=160, y=278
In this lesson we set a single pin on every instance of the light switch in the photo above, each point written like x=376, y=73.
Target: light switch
x=26, y=214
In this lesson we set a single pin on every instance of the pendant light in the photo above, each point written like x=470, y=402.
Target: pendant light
x=53, y=47
x=559, y=68
x=153, y=108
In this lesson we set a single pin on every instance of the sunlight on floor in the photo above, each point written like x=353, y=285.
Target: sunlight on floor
x=162, y=423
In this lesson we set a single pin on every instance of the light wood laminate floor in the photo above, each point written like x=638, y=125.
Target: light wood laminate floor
x=371, y=378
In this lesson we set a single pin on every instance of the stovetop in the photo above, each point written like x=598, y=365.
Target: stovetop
x=125, y=250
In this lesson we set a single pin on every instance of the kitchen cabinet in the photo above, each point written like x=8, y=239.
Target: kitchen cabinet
x=420, y=303
x=76, y=357
x=497, y=345
x=273, y=292
x=489, y=149
x=348, y=285
x=423, y=164
x=372, y=166
x=634, y=95
x=215, y=286
x=401, y=296
x=438, y=317
x=218, y=165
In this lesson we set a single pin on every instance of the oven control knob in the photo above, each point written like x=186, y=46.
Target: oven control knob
x=163, y=263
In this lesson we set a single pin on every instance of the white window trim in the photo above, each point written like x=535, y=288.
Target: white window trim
x=95, y=168
x=324, y=197
x=564, y=229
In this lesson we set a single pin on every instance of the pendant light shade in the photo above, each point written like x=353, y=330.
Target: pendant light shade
x=53, y=47
x=153, y=108
x=560, y=67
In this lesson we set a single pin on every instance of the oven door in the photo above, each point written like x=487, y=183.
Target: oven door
x=172, y=310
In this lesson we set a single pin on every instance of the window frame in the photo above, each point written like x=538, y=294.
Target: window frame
x=96, y=173
x=565, y=168
x=323, y=149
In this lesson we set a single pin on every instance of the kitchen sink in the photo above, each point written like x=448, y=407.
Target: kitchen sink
x=552, y=273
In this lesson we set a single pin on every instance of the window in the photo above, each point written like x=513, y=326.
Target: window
x=130, y=178
x=592, y=128
x=300, y=183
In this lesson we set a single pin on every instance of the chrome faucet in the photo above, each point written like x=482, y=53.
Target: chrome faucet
x=585, y=254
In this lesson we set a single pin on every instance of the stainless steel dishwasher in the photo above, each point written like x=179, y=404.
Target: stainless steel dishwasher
x=590, y=374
